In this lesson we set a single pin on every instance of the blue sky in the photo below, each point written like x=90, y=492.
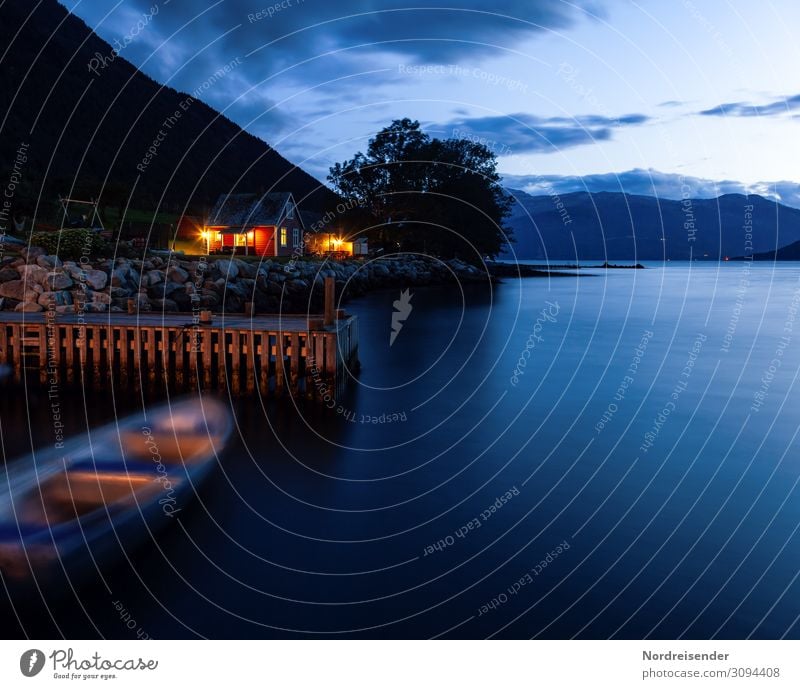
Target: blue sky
x=643, y=96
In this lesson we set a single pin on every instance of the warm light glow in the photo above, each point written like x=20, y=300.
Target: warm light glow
x=337, y=242
x=204, y=235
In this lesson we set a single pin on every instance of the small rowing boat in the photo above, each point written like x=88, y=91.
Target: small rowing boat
x=80, y=504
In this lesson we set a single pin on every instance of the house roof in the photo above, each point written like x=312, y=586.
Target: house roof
x=249, y=210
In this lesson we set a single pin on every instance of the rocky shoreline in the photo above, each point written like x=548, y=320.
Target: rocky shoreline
x=35, y=282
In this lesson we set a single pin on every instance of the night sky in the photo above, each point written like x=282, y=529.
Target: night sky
x=648, y=97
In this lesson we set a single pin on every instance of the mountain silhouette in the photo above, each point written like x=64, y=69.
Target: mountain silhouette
x=87, y=132
x=617, y=226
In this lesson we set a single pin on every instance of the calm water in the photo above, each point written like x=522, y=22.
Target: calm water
x=593, y=491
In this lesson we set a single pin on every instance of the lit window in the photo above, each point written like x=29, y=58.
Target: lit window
x=295, y=236
x=284, y=236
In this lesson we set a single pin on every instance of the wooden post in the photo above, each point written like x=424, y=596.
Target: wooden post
x=280, y=371
x=330, y=356
x=250, y=360
x=137, y=356
x=330, y=301
x=294, y=364
x=207, y=349
x=70, y=353
x=43, y=352
x=124, y=350
x=264, y=360
x=194, y=373
x=236, y=360
x=222, y=351
x=180, y=360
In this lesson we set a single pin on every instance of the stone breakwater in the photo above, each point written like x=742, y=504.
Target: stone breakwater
x=37, y=282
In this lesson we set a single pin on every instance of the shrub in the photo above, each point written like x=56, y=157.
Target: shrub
x=70, y=244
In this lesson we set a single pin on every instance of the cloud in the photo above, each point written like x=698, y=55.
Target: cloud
x=284, y=34
x=525, y=133
x=653, y=183
x=741, y=109
x=288, y=47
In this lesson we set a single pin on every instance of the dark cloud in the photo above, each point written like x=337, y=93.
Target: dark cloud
x=524, y=133
x=741, y=109
x=288, y=32
x=315, y=49
x=653, y=183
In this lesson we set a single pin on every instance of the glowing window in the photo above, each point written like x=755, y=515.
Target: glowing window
x=284, y=236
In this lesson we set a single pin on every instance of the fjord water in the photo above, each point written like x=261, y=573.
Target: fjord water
x=613, y=454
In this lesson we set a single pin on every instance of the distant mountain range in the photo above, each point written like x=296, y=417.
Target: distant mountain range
x=785, y=253
x=617, y=226
x=95, y=128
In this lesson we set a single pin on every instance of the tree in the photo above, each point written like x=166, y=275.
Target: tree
x=440, y=196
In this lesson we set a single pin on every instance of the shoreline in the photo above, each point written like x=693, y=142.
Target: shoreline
x=35, y=281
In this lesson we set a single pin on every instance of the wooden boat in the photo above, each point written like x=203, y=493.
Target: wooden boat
x=80, y=504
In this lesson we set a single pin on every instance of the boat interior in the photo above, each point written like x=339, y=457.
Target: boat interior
x=80, y=490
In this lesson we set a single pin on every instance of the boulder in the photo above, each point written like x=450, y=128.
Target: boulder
x=164, y=305
x=57, y=280
x=48, y=262
x=17, y=289
x=246, y=269
x=297, y=286
x=7, y=274
x=95, y=307
x=99, y=297
x=28, y=307
x=274, y=288
x=142, y=302
x=209, y=299
x=227, y=268
x=183, y=300
x=56, y=298
x=153, y=277
x=177, y=274
x=32, y=253
x=96, y=279
x=33, y=274
x=233, y=303
x=238, y=289
x=170, y=288
x=125, y=275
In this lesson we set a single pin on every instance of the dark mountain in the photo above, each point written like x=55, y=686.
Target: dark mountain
x=785, y=253
x=93, y=130
x=609, y=225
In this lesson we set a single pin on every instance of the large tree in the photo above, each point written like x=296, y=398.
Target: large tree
x=440, y=196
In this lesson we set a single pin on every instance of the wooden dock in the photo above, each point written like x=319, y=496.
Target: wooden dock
x=271, y=354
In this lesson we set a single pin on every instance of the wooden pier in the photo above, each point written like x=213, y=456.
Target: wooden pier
x=271, y=354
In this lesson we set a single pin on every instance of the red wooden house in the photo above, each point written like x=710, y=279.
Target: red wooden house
x=255, y=225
